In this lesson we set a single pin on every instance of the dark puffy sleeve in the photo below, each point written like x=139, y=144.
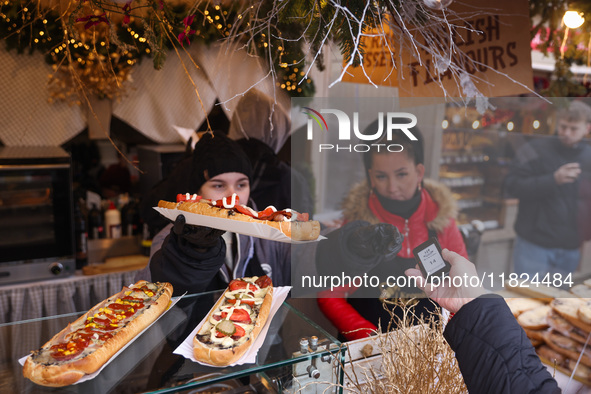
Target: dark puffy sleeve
x=493, y=352
x=187, y=269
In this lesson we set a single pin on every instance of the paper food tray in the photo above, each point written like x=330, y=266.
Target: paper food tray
x=259, y=230
x=173, y=301
x=185, y=349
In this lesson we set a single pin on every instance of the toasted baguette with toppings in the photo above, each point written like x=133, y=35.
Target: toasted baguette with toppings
x=234, y=322
x=228, y=208
x=89, y=342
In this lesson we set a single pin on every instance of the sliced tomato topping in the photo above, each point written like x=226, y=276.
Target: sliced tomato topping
x=246, y=210
x=247, y=302
x=266, y=212
x=264, y=281
x=183, y=197
x=237, y=335
x=239, y=332
x=303, y=217
x=239, y=316
x=229, y=201
x=239, y=284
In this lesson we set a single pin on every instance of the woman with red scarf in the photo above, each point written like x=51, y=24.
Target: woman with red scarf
x=394, y=192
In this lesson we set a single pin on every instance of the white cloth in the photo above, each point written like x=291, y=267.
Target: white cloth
x=155, y=100
x=27, y=118
x=259, y=116
x=158, y=100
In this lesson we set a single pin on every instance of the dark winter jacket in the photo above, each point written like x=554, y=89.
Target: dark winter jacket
x=191, y=271
x=493, y=352
x=548, y=212
x=436, y=213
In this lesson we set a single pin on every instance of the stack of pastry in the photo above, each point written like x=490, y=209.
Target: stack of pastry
x=559, y=328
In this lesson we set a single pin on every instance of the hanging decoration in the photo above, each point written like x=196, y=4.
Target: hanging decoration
x=93, y=45
x=569, y=45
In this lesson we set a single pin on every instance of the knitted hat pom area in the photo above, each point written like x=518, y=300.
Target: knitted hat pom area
x=216, y=154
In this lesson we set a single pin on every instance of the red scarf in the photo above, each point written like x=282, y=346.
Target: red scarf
x=415, y=231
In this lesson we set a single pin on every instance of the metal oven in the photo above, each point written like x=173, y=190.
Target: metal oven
x=36, y=226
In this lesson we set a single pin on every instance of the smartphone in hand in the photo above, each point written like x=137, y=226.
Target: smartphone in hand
x=430, y=259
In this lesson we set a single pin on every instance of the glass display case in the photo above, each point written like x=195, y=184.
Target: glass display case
x=284, y=362
x=473, y=165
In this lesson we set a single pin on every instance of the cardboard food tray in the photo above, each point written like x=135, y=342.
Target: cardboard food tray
x=185, y=349
x=259, y=230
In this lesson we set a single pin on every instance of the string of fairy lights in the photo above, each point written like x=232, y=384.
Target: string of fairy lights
x=96, y=51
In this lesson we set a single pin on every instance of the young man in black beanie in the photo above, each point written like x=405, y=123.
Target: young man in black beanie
x=195, y=258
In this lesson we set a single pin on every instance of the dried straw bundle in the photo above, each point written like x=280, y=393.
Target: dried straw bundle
x=416, y=358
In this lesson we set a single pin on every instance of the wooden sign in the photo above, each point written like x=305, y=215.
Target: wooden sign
x=495, y=38
x=378, y=59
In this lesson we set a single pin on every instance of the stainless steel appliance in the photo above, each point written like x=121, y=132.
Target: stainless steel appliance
x=36, y=226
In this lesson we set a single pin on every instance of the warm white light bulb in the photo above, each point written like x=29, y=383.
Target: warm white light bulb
x=437, y=4
x=572, y=19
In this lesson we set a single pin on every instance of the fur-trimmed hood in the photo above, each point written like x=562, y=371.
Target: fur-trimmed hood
x=356, y=207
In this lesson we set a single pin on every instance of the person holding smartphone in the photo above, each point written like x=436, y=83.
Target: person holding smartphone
x=493, y=352
x=396, y=194
x=551, y=177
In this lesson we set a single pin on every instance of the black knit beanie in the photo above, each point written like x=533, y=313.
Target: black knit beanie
x=217, y=154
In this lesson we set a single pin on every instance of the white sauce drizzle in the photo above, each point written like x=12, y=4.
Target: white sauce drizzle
x=259, y=295
x=254, y=213
x=232, y=201
x=293, y=217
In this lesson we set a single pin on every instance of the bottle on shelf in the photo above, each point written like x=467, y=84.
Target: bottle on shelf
x=113, y=221
x=96, y=223
x=130, y=218
x=81, y=237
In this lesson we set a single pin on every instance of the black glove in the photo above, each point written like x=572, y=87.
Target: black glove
x=198, y=236
x=375, y=240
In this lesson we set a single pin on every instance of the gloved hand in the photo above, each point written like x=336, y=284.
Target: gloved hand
x=199, y=236
x=375, y=240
